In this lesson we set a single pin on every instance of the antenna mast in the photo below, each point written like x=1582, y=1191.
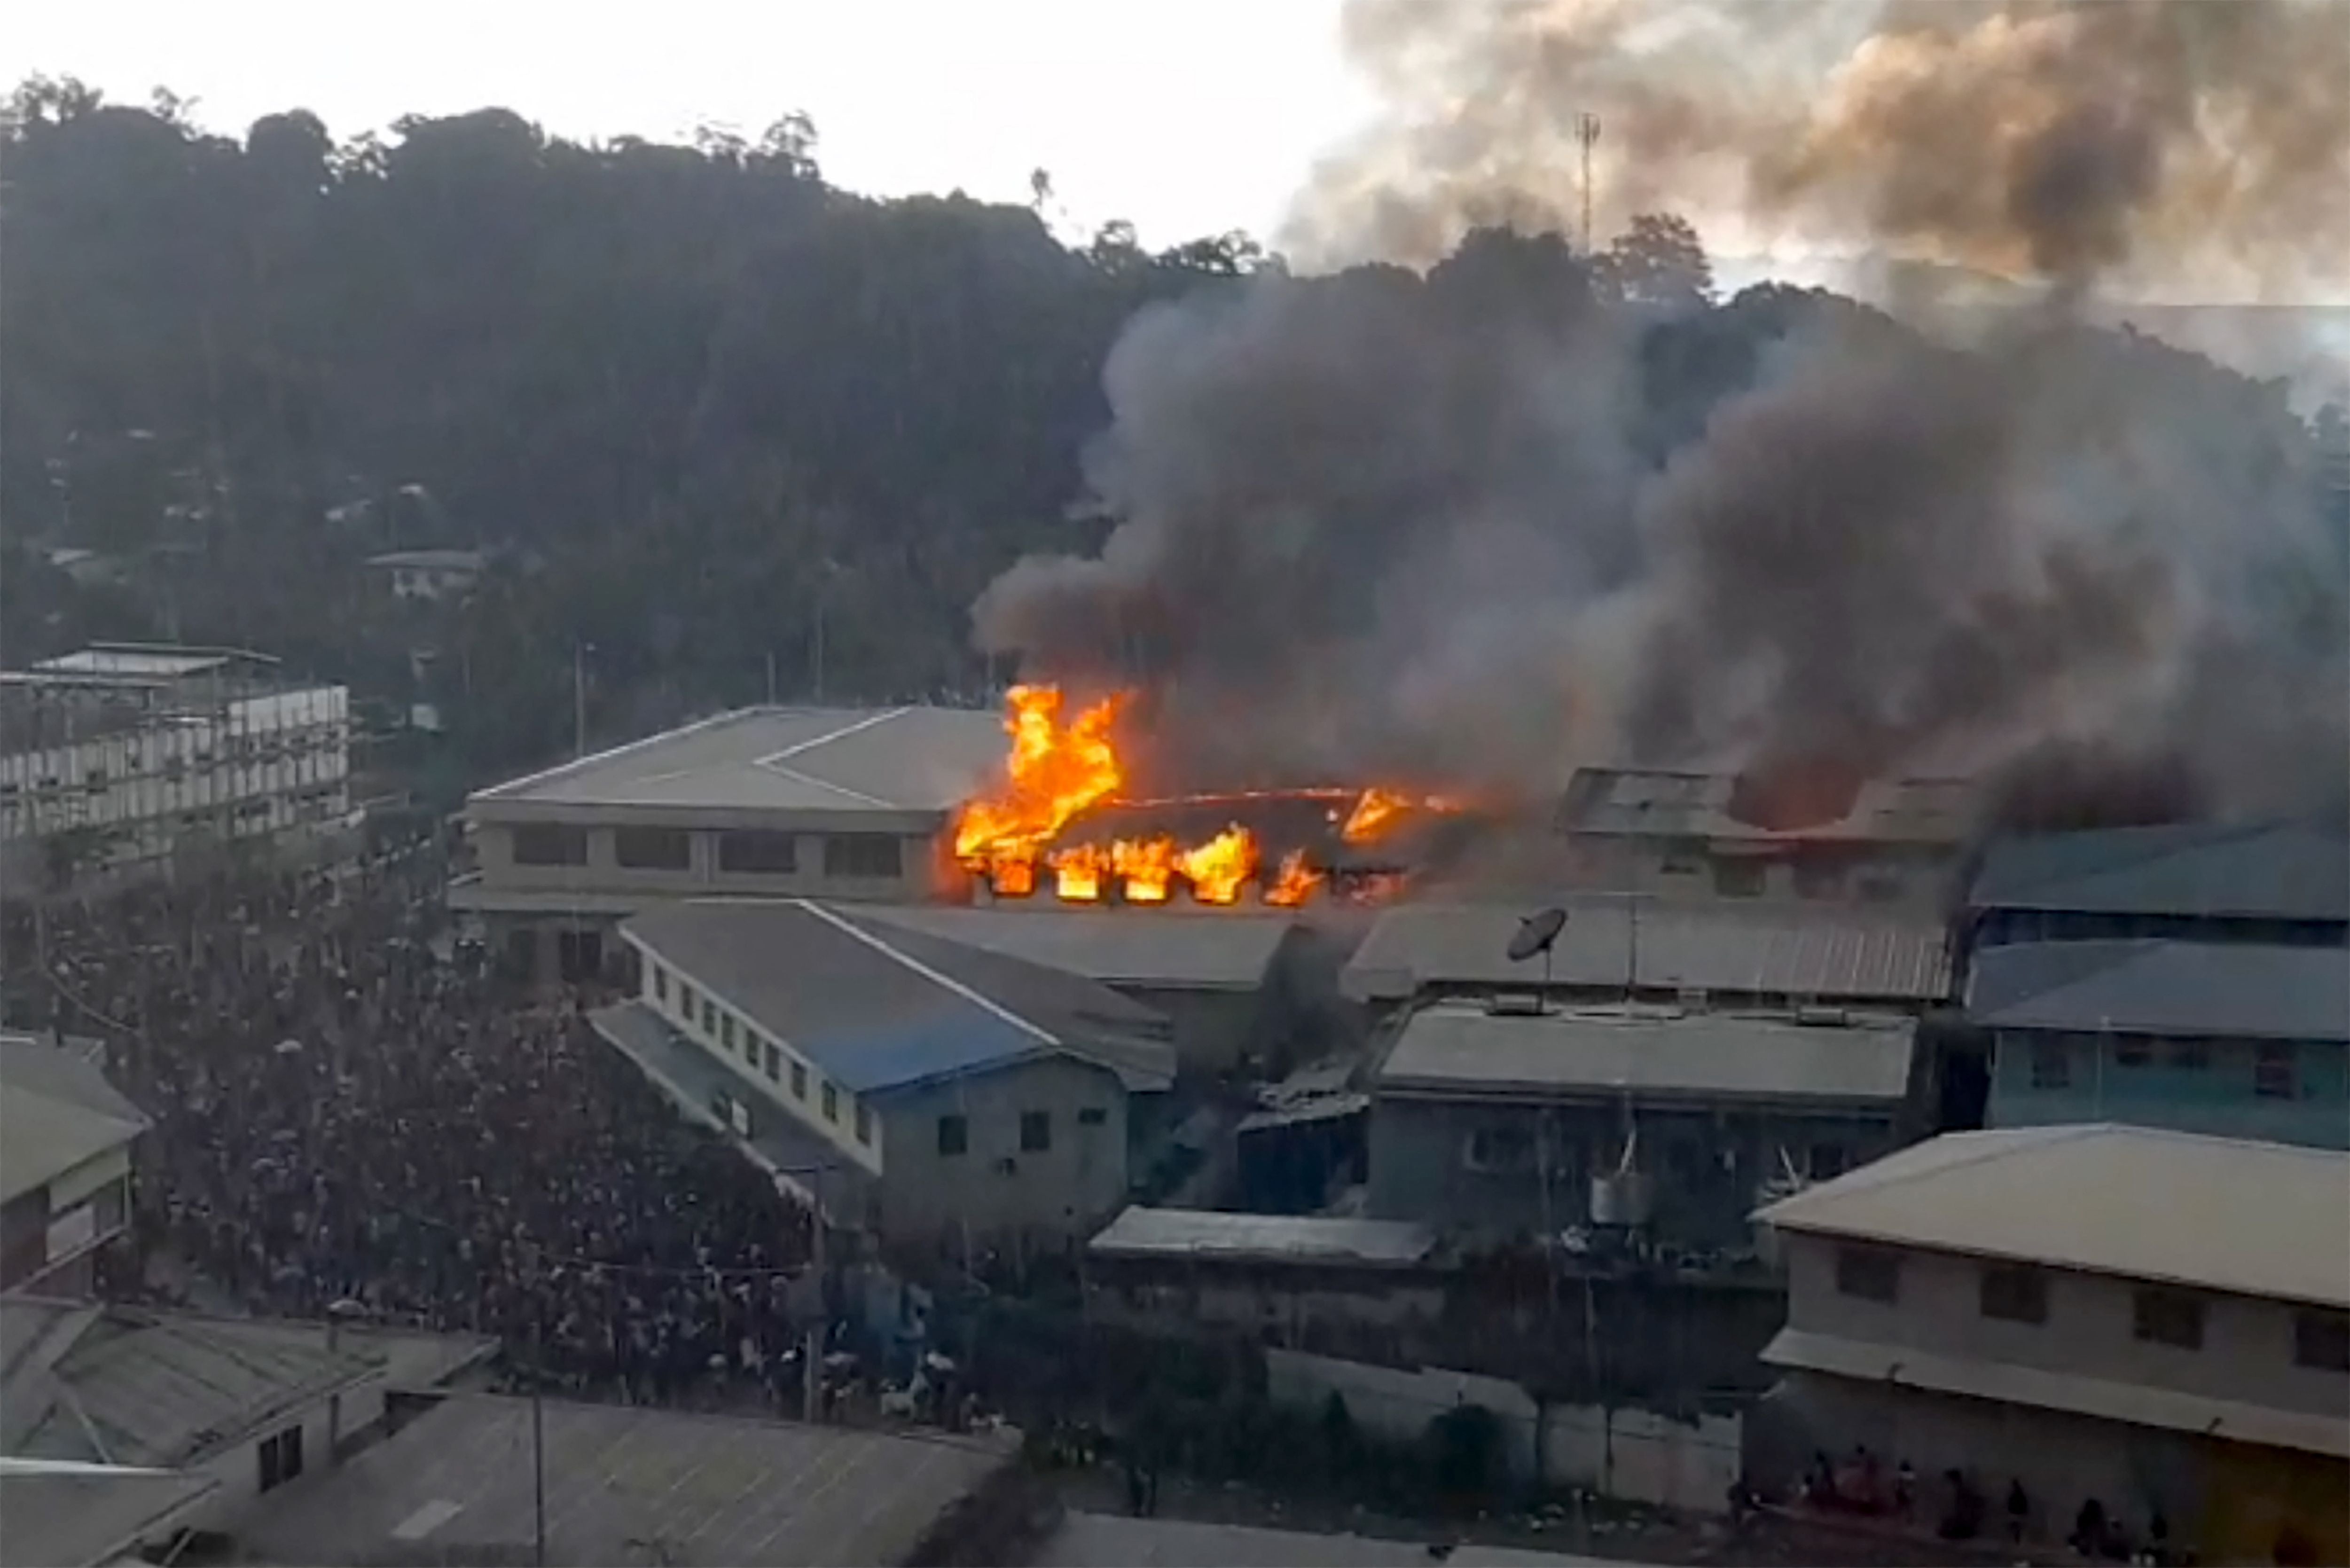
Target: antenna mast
x=1587, y=133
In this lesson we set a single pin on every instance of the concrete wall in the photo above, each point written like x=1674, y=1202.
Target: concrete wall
x=1707, y=1168
x=2213, y=1091
x=2247, y=1344
x=920, y=875
x=995, y=1187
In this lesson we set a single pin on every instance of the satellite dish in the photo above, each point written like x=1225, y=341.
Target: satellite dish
x=1536, y=934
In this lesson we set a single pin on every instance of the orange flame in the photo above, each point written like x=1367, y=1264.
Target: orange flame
x=1145, y=865
x=1217, y=869
x=1078, y=871
x=1055, y=772
x=1374, y=813
x=1293, y=883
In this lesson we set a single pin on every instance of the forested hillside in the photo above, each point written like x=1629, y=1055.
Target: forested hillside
x=717, y=420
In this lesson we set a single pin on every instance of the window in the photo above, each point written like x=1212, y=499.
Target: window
x=1739, y=878
x=2015, y=1294
x=2190, y=1055
x=686, y=1001
x=1036, y=1131
x=1870, y=1274
x=2133, y=1051
x=653, y=848
x=2168, y=1317
x=660, y=984
x=831, y=1103
x=1092, y=1116
x=799, y=1080
x=756, y=851
x=2322, y=1340
x=864, y=1124
x=2052, y=1065
x=1499, y=1149
x=281, y=1458
x=774, y=1062
x=726, y=1030
x=861, y=855
x=2274, y=1077
x=709, y=1016
x=548, y=844
x=954, y=1135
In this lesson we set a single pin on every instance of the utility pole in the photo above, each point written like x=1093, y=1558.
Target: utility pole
x=1587, y=133
x=578, y=698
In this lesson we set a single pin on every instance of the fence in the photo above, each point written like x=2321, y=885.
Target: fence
x=1633, y=1456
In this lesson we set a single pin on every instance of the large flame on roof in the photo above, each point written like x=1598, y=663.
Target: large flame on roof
x=1062, y=765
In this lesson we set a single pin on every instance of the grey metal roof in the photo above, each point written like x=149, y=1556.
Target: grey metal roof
x=2155, y=987
x=2008, y=1382
x=127, y=1386
x=1618, y=942
x=1201, y=949
x=90, y=1518
x=2263, y=871
x=2145, y=1203
x=56, y=1111
x=1456, y=1048
x=1198, y=1233
x=1659, y=802
x=878, y=1007
x=784, y=759
x=625, y=1485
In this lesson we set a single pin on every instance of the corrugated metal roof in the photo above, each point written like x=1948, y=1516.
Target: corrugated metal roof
x=1462, y=1049
x=1141, y=1232
x=919, y=760
x=1173, y=948
x=2261, y=871
x=2155, y=987
x=2255, y=1218
x=85, y=1519
x=56, y=1111
x=158, y=1388
x=879, y=1007
x=1660, y=804
x=624, y=1484
x=1833, y=955
x=2135, y=1403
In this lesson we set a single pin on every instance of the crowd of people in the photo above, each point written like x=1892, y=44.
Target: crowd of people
x=350, y=1109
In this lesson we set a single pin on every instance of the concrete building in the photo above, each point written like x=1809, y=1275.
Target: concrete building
x=955, y=1095
x=66, y=1142
x=1893, y=842
x=1298, y=1281
x=122, y=759
x=245, y=1404
x=1231, y=985
x=767, y=802
x=60, y=1514
x=2283, y=884
x=1612, y=949
x=1500, y=1122
x=632, y=1485
x=2156, y=1320
x=430, y=575
x=2227, y=1038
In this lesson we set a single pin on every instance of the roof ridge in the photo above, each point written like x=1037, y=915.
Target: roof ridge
x=945, y=981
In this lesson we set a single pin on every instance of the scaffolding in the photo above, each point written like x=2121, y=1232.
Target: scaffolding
x=125, y=758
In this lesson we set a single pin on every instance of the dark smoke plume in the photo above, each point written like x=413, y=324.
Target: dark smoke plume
x=1483, y=526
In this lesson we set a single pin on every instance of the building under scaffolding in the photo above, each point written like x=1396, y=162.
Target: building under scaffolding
x=128, y=758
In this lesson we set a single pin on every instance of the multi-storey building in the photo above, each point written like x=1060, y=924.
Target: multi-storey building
x=66, y=1137
x=766, y=802
x=121, y=758
x=2156, y=1321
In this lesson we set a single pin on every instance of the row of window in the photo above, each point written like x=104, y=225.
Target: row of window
x=2019, y=1293
x=1036, y=1130
x=1513, y=1151
x=759, y=1055
x=2275, y=1063
x=740, y=851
